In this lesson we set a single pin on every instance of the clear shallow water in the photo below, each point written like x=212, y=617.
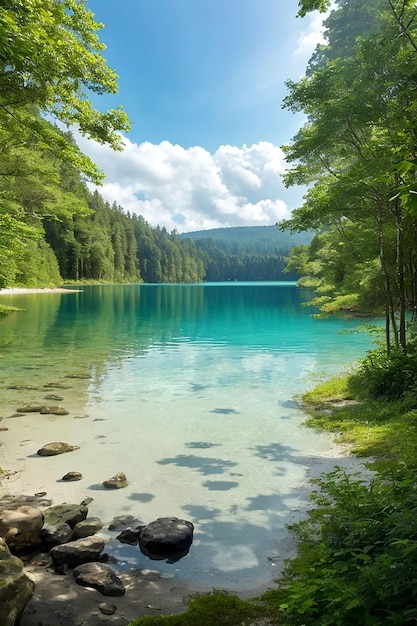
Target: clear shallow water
x=189, y=390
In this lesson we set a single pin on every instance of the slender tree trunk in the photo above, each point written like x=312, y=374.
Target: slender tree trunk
x=413, y=272
x=389, y=305
x=400, y=274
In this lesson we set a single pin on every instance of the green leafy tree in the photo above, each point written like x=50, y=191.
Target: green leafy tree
x=356, y=151
x=50, y=63
x=51, y=59
x=306, y=6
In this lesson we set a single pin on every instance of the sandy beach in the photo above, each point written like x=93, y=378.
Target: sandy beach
x=15, y=291
x=59, y=601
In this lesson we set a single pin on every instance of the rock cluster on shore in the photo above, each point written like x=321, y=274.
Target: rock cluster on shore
x=64, y=539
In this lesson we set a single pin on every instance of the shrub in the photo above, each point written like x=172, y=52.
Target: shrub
x=390, y=375
x=357, y=561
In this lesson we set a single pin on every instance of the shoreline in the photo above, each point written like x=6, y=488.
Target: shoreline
x=58, y=600
x=17, y=291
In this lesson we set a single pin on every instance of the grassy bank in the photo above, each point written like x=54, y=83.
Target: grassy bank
x=357, y=557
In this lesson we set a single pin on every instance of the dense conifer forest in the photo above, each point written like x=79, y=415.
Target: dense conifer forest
x=247, y=252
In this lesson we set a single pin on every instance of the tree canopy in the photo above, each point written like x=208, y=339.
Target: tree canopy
x=50, y=64
x=357, y=154
x=51, y=60
x=306, y=6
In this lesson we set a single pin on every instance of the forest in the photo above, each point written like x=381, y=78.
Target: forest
x=247, y=252
x=103, y=243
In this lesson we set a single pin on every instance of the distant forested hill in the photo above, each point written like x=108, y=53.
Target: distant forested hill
x=246, y=252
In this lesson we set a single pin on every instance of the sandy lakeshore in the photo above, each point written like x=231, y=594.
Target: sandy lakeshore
x=15, y=291
x=59, y=601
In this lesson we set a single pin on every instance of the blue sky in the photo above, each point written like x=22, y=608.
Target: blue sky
x=202, y=82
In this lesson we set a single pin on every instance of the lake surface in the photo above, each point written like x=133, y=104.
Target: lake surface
x=189, y=390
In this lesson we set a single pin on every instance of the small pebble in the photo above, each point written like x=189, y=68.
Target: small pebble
x=107, y=609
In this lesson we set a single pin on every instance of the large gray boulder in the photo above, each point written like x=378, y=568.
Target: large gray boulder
x=20, y=527
x=15, y=587
x=77, y=552
x=71, y=514
x=101, y=577
x=86, y=528
x=52, y=535
x=166, y=538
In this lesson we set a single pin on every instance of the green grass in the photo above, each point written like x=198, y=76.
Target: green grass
x=218, y=608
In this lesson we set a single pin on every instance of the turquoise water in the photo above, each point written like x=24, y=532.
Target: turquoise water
x=189, y=390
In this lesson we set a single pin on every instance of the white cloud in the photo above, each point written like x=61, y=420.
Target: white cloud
x=313, y=34
x=191, y=188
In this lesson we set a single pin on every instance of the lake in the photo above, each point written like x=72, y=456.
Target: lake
x=190, y=391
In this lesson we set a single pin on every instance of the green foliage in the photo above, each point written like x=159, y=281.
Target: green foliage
x=37, y=266
x=51, y=59
x=390, y=374
x=50, y=62
x=215, y=608
x=357, y=559
x=306, y=6
x=334, y=389
x=356, y=154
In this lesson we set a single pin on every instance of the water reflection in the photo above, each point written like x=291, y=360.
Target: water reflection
x=189, y=390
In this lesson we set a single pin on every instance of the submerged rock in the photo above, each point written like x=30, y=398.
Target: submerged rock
x=71, y=514
x=22, y=387
x=56, y=447
x=43, y=409
x=79, y=376
x=101, y=577
x=130, y=536
x=72, y=476
x=116, y=482
x=29, y=408
x=55, y=535
x=53, y=396
x=53, y=410
x=52, y=385
x=77, y=552
x=87, y=527
x=166, y=538
x=107, y=609
x=123, y=520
